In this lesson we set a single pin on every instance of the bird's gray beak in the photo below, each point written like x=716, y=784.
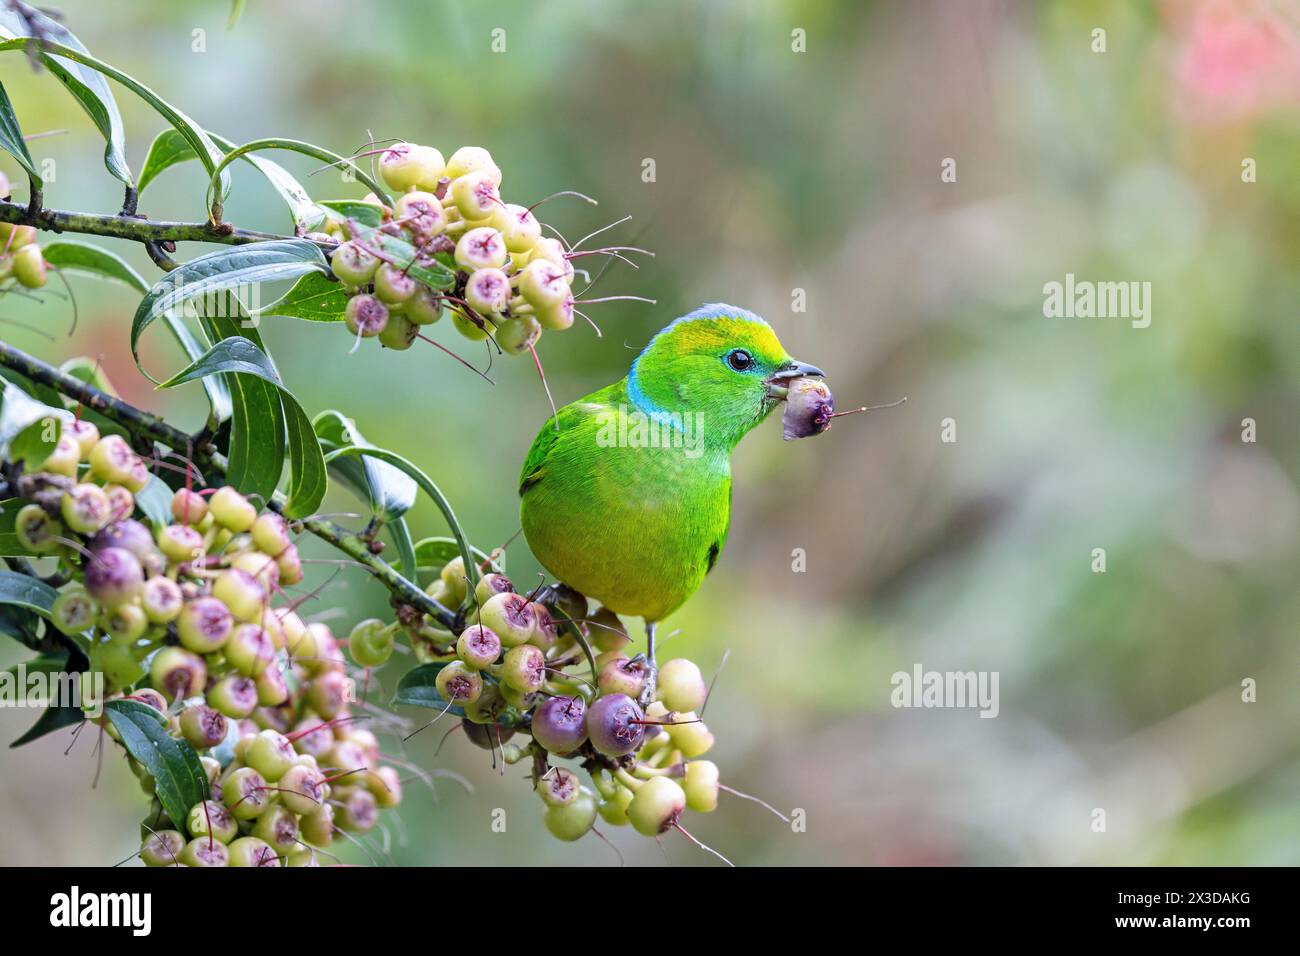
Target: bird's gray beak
x=776, y=381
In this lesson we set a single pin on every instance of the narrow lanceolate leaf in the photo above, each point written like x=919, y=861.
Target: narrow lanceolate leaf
x=429, y=488
x=240, y=357
x=168, y=148
x=255, y=456
x=51, y=719
x=29, y=429
x=402, y=254
x=11, y=136
x=363, y=213
x=389, y=491
x=432, y=553
x=85, y=259
x=193, y=133
x=224, y=270
x=86, y=84
x=315, y=297
x=179, y=778
x=418, y=688
x=26, y=591
x=400, y=532
x=20, y=623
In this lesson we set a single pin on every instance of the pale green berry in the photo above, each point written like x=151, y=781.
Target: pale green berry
x=656, y=806
x=481, y=248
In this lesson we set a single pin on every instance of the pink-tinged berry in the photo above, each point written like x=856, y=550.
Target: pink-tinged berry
x=74, y=611
x=112, y=460
x=250, y=851
x=386, y=787
x=84, y=433
x=327, y=694
x=365, y=316
x=358, y=812
x=543, y=284
x=161, y=600
x=393, y=286
x=113, y=576
x=405, y=166
x=85, y=508
x=162, y=848
x=478, y=646
x=558, y=787
x=318, y=826
x=472, y=159
x=121, y=503
x=481, y=248
x=421, y=214
x=204, y=625
x=423, y=308
x=557, y=317
x=272, y=689
x=249, y=650
x=63, y=460
x=623, y=677
x=188, y=507
x=202, y=851
x=233, y=695
x=203, y=726
x=615, y=725
x=246, y=794
x=701, y=785
x=476, y=196
x=656, y=806
x=354, y=264
x=399, y=334
x=278, y=826
x=572, y=820
x=232, y=510
x=524, y=668
x=302, y=788
x=681, y=686
x=510, y=616
x=271, y=533
x=180, y=543
x=490, y=584
x=607, y=631
x=488, y=291
x=36, y=530
x=522, y=230
x=242, y=593
x=177, y=673
x=518, y=334
x=458, y=683
x=125, y=623
x=560, y=724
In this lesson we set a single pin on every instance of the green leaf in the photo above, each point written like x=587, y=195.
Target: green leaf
x=223, y=270
x=432, y=553
x=28, y=592
x=306, y=213
x=236, y=11
x=168, y=148
x=179, y=778
x=418, y=687
x=51, y=719
x=402, y=254
x=29, y=429
x=156, y=501
x=21, y=624
x=256, y=442
x=88, y=86
x=429, y=488
x=84, y=259
x=199, y=140
x=401, y=535
x=11, y=136
x=364, y=213
x=315, y=297
x=240, y=357
x=389, y=492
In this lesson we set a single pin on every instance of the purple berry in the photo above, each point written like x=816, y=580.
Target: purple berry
x=615, y=725
x=559, y=724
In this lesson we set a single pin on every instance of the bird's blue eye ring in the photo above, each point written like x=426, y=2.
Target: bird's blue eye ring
x=740, y=360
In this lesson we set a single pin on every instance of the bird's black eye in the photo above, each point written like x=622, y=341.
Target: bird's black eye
x=740, y=360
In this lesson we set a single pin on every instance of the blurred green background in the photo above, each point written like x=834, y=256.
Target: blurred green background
x=820, y=171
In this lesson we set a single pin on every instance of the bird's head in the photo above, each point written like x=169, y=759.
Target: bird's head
x=719, y=362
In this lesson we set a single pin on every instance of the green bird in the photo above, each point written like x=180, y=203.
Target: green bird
x=626, y=494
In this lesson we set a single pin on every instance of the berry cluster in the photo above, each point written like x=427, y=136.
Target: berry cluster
x=511, y=283
x=20, y=256
x=184, y=620
x=633, y=728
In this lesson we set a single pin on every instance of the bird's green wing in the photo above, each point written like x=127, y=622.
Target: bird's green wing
x=715, y=549
x=568, y=417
